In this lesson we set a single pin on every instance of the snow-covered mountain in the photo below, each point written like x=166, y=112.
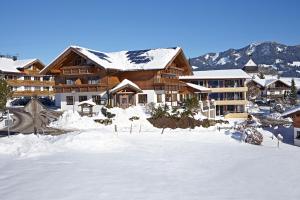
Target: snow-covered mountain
x=271, y=55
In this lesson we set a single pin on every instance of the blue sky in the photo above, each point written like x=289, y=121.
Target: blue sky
x=42, y=29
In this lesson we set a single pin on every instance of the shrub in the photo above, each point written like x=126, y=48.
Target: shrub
x=107, y=113
x=192, y=104
x=104, y=121
x=134, y=118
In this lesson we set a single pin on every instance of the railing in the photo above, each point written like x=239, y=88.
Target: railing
x=278, y=89
x=166, y=81
x=31, y=72
x=32, y=93
x=80, y=88
x=230, y=89
x=29, y=83
x=78, y=70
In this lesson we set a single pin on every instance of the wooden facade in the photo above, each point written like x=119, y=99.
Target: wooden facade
x=74, y=72
x=29, y=82
x=275, y=90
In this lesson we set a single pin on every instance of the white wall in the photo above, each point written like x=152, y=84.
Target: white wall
x=152, y=96
x=60, y=100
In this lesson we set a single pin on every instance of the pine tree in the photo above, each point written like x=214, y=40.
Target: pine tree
x=5, y=93
x=293, y=94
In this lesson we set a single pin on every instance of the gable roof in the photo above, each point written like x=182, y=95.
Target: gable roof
x=10, y=65
x=250, y=63
x=291, y=112
x=124, y=84
x=218, y=74
x=148, y=59
x=267, y=82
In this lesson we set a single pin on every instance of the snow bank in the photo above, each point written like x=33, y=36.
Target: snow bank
x=123, y=115
x=73, y=121
x=32, y=145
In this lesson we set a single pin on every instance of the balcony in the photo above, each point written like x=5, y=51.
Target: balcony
x=231, y=102
x=166, y=81
x=229, y=89
x=32, y=93
x=13, y=82
x=78, y=70
x=279, y=89
x=64, y=88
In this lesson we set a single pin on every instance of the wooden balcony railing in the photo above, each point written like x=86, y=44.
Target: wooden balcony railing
x=166, y=81
x=80, y=88
x=32, y=93
x=31, y=72
x=278, y=89
x=78, y=70
x=30, y=83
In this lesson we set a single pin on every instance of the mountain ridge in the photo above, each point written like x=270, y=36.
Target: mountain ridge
x=270, y=56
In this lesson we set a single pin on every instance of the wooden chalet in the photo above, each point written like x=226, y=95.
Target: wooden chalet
x=270, y=88
x=295, y=115
x=24, y=77
x=141, y=76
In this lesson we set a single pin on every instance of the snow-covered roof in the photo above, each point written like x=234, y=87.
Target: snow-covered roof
x=291, y=112
x=125, y=83
x=148, y=59
x=87, y=102
x=10, y=65
x=250, y=63
x=266, y=82
x=218, y=74
x=198, y=87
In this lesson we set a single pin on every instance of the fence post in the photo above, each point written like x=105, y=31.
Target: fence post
x=140, y=128
x=116, y=130
x=130, y=128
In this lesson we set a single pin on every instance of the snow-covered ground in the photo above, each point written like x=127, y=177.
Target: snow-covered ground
x=94, y=162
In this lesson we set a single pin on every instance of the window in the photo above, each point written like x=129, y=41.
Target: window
x=195, y=82
x=214, y=96
x=298, y=135
x=142, y=98
x=70, y=100
x=93, y=81
x=168, y=97
x=27, y=77
x=27, y=88
x=159, y=98
x=82, y=98
x=46, y=78
x=46, y=88
x=231, y=108
x=213, y=83
x=174, y=97
x=37, y=78
x=70, y=81
x=37, y=88
x=98, y=100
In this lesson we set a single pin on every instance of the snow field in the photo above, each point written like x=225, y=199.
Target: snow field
x=97, y=163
